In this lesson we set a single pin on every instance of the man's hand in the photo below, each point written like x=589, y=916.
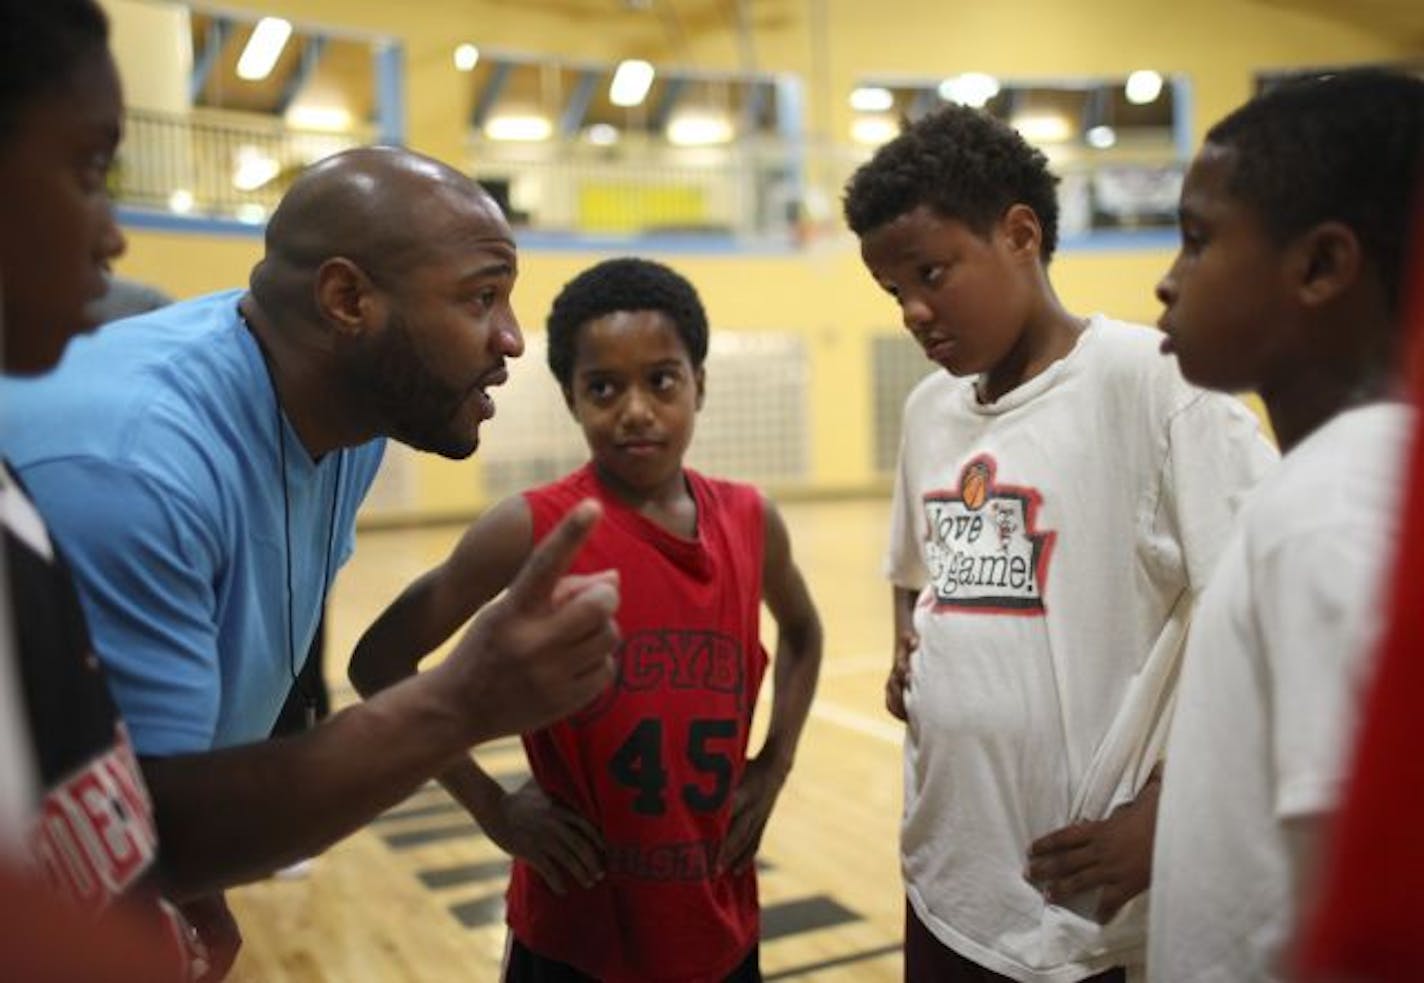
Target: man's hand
x=1114, y=854
x=545, y=648
x=217, y=930
x=555, y=841
x=899, y=680
x=751, y=808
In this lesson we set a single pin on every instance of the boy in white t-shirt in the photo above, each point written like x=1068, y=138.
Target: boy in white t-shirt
x=1294, y=221
x=1062, y=494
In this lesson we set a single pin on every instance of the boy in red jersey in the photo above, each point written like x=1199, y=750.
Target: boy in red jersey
x=634, y=841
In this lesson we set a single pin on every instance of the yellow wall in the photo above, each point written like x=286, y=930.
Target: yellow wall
x=822, y=293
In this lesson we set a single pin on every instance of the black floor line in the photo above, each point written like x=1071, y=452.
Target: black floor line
x=406, y=839
x=443, y=877
x=803, y=915
x=438, y=878
x=481, y=911
x=854, y=957
x=415, y=811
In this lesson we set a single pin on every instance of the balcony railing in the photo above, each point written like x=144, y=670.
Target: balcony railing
x=750, y=193
x=216, y=165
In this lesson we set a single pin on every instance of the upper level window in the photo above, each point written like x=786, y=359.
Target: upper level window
x=1117, y=144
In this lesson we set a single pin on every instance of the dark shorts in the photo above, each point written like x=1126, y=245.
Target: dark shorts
x=928, y=960
x=524, y=966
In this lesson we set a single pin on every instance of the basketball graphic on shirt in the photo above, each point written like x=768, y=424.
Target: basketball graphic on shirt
x=974, y=485
x=984, y=549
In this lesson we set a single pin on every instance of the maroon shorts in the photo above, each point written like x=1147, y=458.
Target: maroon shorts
x=526, y=966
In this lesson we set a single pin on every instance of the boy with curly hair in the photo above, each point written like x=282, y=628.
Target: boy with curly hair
x=1062, y=494
x=634, y=841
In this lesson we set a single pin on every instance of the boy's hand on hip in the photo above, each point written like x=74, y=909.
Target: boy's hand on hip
x=751, y=808
x=556, y=841
x=899, y=679
x=545, y=648
x=1113, y=855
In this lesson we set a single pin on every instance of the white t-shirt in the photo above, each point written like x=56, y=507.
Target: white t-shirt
x=19, y=788
x=1057, y=535
x=1267, y=698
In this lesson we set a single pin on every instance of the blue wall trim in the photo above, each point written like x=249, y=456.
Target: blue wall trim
x=1120, y=241
x=201, y=225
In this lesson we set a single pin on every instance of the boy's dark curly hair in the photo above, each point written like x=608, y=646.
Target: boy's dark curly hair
x=963, y=163
x=625, y=284
x=1347, y=147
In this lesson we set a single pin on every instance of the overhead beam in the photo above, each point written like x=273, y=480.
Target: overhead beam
x=579, y=100
x=306, y=68
x=390, y=92
x=219, y=29
x=490, y=94
x=672, y=90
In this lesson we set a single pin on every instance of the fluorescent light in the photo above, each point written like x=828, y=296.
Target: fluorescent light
x=871, y=99
x=1143, y=86
x=251, y=213
x=1047, y=128
x=332, y=119
x=519, y=127
x=1102, y=137
x=603, y=134
x=263, y=49
x=254, y=169
x=874, y=130
x=697, y=130
x=631, y=82
x=181, y=201
x=467, y=56
x=973, y=89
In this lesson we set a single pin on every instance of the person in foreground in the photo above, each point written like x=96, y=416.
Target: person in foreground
x=1363, y=923
x=1061, y=497
x=201, y=466
x=78, y=844
x=634, y=840
x=1294, y=219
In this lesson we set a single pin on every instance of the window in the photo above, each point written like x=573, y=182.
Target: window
x=1118, y=145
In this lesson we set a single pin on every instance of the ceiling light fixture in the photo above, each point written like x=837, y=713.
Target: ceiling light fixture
x=1143, y=86
x=973, y=89
x=1045, y=128
x=699, y=130
x=328, y=119
x=1102, y=137
x=527, y=128
x=871, y=99
x=263, y=48
x=874, y=130
x=467, y=56
x=631, y=81
x=602, y=134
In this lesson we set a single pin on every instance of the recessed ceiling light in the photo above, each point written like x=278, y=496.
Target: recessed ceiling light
x=467, y=56
x=1143, y=86
x=263, y=48
x=631, y=81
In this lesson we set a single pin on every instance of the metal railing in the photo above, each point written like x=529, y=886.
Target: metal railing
x=214, y=164
x=754, y=192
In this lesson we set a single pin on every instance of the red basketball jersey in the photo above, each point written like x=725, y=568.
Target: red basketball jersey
x=654, y=760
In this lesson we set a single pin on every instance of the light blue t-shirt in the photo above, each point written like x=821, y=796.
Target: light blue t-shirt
x=152, y=453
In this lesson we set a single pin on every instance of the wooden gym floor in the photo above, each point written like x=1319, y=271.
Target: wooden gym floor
x=418, y=894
